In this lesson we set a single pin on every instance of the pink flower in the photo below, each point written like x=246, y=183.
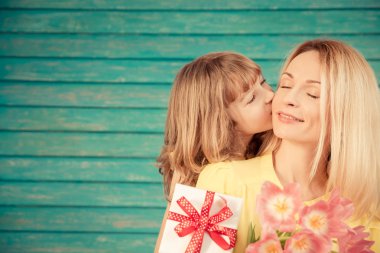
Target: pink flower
x=270, y=244
x=277, y=208
x=308, y=229
x=307, y=242
x=317, y=219
x=354, y=241
x=327, y=218
x=341, y=207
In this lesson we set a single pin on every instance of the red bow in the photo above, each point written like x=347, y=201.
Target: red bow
x=199, y=223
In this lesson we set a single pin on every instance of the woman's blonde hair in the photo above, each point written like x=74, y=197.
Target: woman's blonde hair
x=198, y=128
x=350, y=123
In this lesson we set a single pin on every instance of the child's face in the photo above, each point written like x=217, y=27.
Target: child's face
x=252, y=110
x=296, y=106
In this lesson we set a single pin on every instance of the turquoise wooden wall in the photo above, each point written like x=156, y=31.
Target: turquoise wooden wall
x=83, y=95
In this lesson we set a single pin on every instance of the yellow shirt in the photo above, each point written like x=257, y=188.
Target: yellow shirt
x=244, y=179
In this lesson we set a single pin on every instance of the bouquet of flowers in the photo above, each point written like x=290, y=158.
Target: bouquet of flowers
x=288, y=226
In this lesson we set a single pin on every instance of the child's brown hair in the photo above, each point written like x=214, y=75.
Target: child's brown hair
x=198, y=129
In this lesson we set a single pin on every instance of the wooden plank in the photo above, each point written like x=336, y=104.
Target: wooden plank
x=80, y=144
x=82, y=119
x=192, y=22
x=16, y=242
x=82, y=194
x=112, y=71
x=67, y=70
x=79, y=169
x=84, y=95
x=70, y=219
x=188, y=5
x=165, y=46
x=96, y=95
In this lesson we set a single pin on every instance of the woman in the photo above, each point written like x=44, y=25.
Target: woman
x=326, y=116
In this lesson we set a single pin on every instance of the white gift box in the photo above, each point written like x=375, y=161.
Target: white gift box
x=172, y=242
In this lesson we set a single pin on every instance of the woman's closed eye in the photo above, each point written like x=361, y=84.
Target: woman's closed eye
x=285, y=86
x=313, y=92
x=313, y=96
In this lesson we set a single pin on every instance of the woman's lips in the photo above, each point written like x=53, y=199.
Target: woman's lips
x=288, y=118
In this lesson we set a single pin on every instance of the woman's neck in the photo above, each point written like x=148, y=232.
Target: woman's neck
x=293, y=162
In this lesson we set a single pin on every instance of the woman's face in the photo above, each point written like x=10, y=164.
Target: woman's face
x=296, y=104
x=252, y=110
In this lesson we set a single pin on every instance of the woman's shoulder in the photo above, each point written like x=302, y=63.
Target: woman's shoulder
x=233, y=167
x=255, y=170
x=214, y=176
x=256, y=164
x=372, y=226
x=217, y=166
x=216, y=170
x=241, y=171
x=369, y=221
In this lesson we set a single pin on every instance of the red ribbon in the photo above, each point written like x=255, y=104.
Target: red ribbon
x=201, y=223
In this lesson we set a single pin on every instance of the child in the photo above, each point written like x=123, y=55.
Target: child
x=218, y=104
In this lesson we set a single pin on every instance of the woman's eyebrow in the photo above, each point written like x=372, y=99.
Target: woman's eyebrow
x=313, y=81
x=288, y=74
x=307, y=81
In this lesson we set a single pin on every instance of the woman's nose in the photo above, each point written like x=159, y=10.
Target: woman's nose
x=290, y=98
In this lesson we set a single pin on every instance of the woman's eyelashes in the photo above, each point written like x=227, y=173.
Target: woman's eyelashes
x=312, y=93
x=285, y=83
x=285, y=86
x=312, y=96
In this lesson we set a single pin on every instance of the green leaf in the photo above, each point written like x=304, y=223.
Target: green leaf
x=252, y=234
